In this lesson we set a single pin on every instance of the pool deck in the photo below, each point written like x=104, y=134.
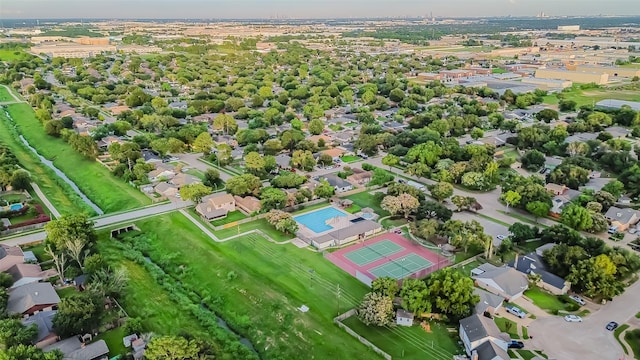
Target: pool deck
x=344, y=221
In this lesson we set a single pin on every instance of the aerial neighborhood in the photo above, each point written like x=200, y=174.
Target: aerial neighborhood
x=400, y=188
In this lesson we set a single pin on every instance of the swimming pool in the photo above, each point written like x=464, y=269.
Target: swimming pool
x=367, y=216
x=15, y=207
x=316, y=221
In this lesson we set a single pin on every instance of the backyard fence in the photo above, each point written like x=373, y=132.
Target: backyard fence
x=23, y=229
x=338, y=320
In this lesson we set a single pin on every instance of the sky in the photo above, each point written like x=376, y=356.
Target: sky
x=243, y=9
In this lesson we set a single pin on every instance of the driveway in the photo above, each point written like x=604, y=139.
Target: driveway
x=589, y=339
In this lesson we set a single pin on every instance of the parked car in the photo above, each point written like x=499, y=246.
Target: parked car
x=633, y=230
x=612, y=325
x=501, y=237
x=573, y=318
x=516, y=311
x=515, y=344
x=612, y=230
x=577, y=299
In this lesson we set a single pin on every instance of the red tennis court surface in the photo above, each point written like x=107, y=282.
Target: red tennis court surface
x=387, y=255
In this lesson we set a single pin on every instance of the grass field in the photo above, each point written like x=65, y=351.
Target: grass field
x=616, y=334
x=364, y=199
x=508, y=326
x=259, y=224
x=96, y=182
x=592, y=96
x=10, y=55
x=113, y=338
x=255, y=285
x=231, y=217
x=545, y=301
x=632, y=338
x=350, y=158
x=59, y=193
x=410, y=342
x=5, y=95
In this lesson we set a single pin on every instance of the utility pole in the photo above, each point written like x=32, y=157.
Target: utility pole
x=338, y=293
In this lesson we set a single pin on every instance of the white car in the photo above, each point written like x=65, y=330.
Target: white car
x=516, y=311
x=577, y=299
x=573, y=318
x=501, y=237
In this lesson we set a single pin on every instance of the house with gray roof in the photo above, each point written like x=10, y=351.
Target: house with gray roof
x=477, y=330
x=338, y=183
x=488, y=302
x=44, y=321
x=32, y=298
x=502, y=281
x=622, y=218
x=533, y=264
x=73, y=349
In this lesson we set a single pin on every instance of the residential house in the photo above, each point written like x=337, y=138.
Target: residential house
x=335, y=153
x=493, y=140
x=248, y=204
x=216, y=206
x=73, y=349
x=283, y=161
x=556, y=189
x=150, y=157
x=395, y=126
x=502, y=281
x=360, y=177
x=10, y=256
x=108, y=141
x=338, y=183
x=27, y=273
x=44, y=321
x=315, y=138
x=489, y=303
x=343, y=137
x=32, y=298
x=165, y=189
x=183, y=179
x=404, y=318
x=558, y=202
x=621, y=218
x=482, y=339
x=161, y=173
x=533, y=264
x=581, y=137
x=618, y=132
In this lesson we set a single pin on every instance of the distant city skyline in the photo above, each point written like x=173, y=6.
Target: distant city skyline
x=244, y=9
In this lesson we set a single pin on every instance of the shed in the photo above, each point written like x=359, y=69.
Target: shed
x=404, y=318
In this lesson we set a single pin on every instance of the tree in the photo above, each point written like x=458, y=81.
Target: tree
x=203, y=143
x=577, y=148
x=77, y=314
x=408, y=203
x=521, y=232
x=433, y=210
x=567, y=105
x=595, y=278
x=211, y=177
x=13, y=333
x=324, y=190
x=282, y=221
x=452, y=293
x=532, y=160
x=172, y=348
x=29, y=352
x=375, y=309
x=303, y=159
x=316, y=126
x=396, y=95
x=476, y=133
x=76, y=249
x=415, y=296
x=562, y=257
x=441, y=190
x=225, y=123
x=195, y=192
x=425, y=228
x=126, y=153
x=272, y=198
x=390, y=160
x=615, y=188
x=418, y=169
x=76, y=226
x=576, y=217
x=254, y=163
x=245, y=184
x=538, y=209
x=547, y=115
x=511, y=198
x=20, y=180
x=108, y=282
x=385, y=286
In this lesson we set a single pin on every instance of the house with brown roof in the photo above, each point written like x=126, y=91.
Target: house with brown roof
x=10, y=256
x=165, y=189
x=183, y=179
x=27, y=273
x=360, y=177
x=32, y=298
x=335, y=153
x=118, y=109
x=216, y=206
x=315, y=138
x=161, y=173
x=248, y=204
x=556, y=189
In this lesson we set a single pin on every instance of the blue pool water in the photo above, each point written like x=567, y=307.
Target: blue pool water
x=366, y=216
x=316, y=220
x=15, y=207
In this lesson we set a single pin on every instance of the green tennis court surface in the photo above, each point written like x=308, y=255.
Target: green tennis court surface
x=402, y=267
x=373, y=252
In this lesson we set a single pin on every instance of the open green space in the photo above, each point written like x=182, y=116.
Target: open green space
x=231, y=217
x=4, y=93
x=466, y=269
x=632, y=338
x=546, y=301
x=413, y=342
x=96, y=182
x=353, y=209
x=38, y=251
x=258, y=224
x=592, y=96
x=498, y=71
x=59, y=193
x=508, y=326
x=66, y=292
x=616, y=334
x=350, y=158
x=12, y=54
x=364, y=199
x=195, y=172
x=255, y=285
x=395, y=222
x=113, y=338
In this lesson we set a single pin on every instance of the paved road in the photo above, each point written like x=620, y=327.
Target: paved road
x=46, y=201
x=588, y=340
x=107, y=220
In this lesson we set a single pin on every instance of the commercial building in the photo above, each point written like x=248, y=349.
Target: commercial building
x=568, y=27
x=599, y=78
x=612, y=71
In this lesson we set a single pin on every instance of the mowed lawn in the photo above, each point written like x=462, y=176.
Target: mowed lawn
x=258, y=287
x=96, y=182
x=410, y=342
x=259, y=224
x=365, y=199
x=59, y=193
x=11, y=54
x=592, y=96
x=4, y=95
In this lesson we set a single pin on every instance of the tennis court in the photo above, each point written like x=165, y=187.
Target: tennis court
x=402, y=267
x=374, y=252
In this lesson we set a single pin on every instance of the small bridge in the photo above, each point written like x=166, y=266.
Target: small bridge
x=122, y=230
